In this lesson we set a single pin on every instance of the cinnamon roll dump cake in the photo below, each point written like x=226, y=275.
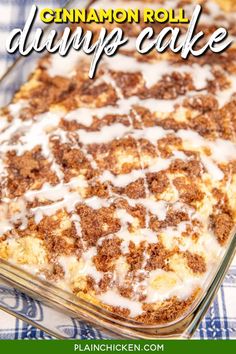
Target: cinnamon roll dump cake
x=121, y=189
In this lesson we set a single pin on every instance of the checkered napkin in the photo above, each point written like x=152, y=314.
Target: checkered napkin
x=220, y=321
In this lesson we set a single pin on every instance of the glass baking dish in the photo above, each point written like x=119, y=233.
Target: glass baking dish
x=60, y=300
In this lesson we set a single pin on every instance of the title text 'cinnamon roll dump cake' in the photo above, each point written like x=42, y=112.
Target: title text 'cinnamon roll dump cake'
x=122, y=189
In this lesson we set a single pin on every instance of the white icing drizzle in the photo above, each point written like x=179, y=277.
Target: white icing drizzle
x=89, y=267
x=224, y=96
x=123, y=180
x=7, y=218
x=106, y=134
x=182, y=289
x=214, y=171
x=65, y=65
x=33, y=133
x=139, y=236
x=158, y=208
x=120, y=62
x=80, y=268
x=123, y=106
x=15, y=108
x=221, y=150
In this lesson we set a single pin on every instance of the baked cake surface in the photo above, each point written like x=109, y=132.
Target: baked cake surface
x=121, y=189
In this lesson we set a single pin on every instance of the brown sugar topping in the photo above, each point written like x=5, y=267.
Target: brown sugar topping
x=158, y=257
x=47, y=92
x=189, y=191
x=196, y=262
x=168, y=312
x=58, y=241
x=97, y=123
x=173, y=218
x=170, y=87
x=56, y=273
x=134, y=190
x=157, y=182
x=72, y=161
x=98, y=189
x=126, y=291
x=192, y=168
x=108, y=252
x=28, y=171
x=202, y=103
x=138, y=211
x=222, y=225
x=205, y=125
x=135, y=257
x=105, y=282
x=97, y=223
x=166, y=145
x=130, y=83
x=107, y=156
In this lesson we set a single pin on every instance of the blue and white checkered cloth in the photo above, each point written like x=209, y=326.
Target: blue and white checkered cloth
x=220, y=321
